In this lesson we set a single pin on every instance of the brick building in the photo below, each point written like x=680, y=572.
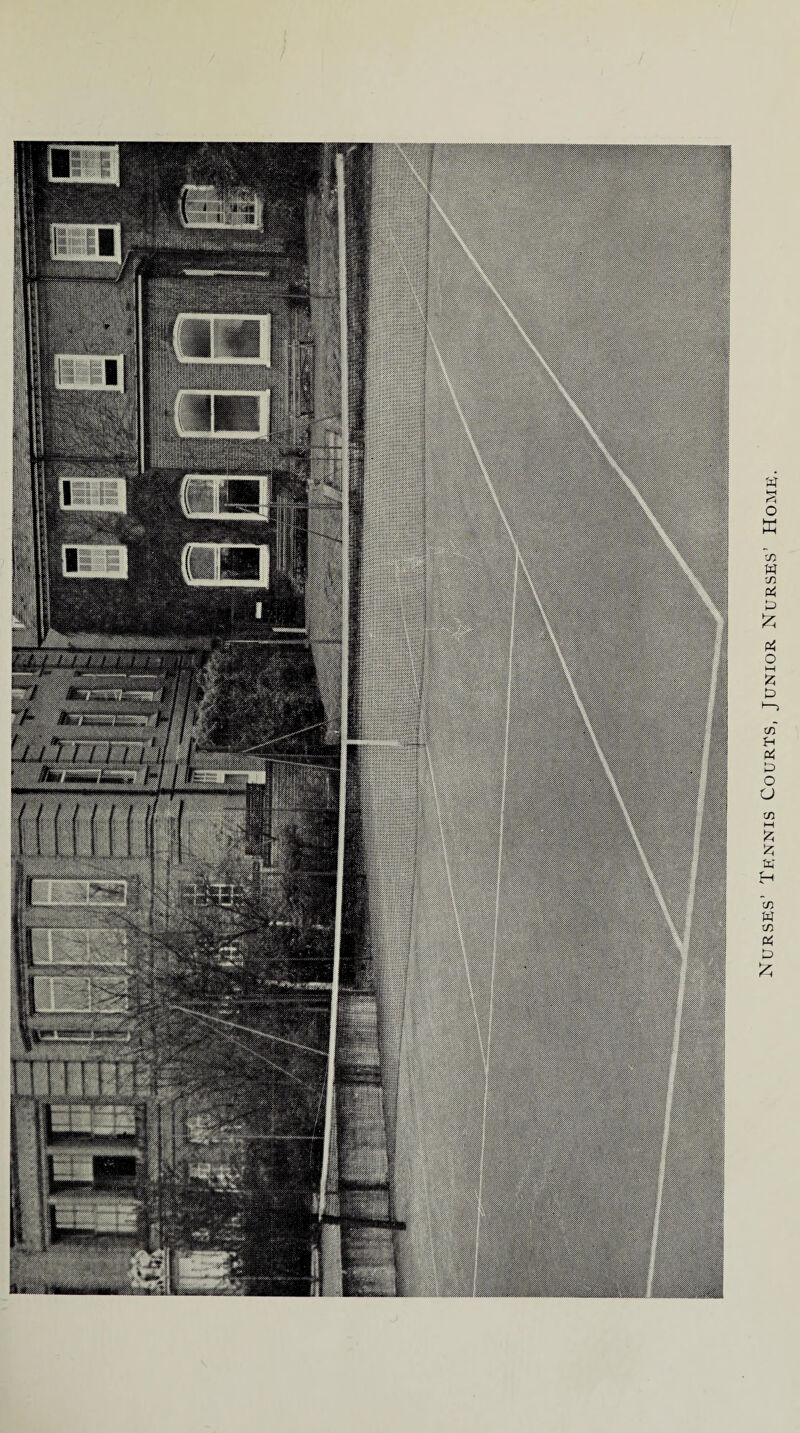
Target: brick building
x=161, y=398
x=118, y=821
x=168, y=364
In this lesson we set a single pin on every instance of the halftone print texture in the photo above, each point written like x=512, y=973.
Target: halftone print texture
x=537, y=727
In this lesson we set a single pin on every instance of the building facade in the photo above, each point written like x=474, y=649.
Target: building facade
x=164, y=298
x=106, y=821
x=162, y=395
x=121, y=829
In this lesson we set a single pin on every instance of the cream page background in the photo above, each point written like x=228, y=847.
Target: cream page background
x=515, y=70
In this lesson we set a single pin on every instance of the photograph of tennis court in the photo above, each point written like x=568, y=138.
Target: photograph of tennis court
x=541, y=712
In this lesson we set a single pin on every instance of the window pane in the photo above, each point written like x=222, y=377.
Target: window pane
x=66, y=893
x=69, y=947
x=194, y=412
x=76, y=946
x=91, y=162
x=202, y=205
x=40, y=946
x=237, y=338
x=114, y=1169
x=96, y=694
x=236, y=413
x=105, y=242
x=207, y=1270
x=87, y=163
x=72, y=1169
x=95, y=560
x=113, y=1120
x=202, y=563
x=200, y=495
x=109, y=993
x=59, y=163
x=71, y=1119
x=61, y=993
x=85, y=371
x=240, y=564
x=194, y=338
x=106, y=893
x=96, y=1216
x=107, y=947
x=239, y=495
x=242, y=210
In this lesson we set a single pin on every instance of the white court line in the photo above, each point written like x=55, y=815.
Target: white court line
x=441, y=824
x=496, y=923
x=682, y=943
x=676, y=1034
x=413, y=1094
x=551, y=634
x=594, y=435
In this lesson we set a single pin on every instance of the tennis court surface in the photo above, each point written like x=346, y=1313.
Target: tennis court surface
x=542, y=629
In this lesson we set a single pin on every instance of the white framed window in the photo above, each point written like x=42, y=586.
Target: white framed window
x=97, y=1121
x=105, y=719
x=70, y=1036
x=207, y=413
x=83, y=163
x=114, y=694
x=98, y=753
x=205, y=893
x=67, y=891
x=218, y=1174
x=74, y=993
x=94, y=560
x=76, y=945
x=101, y=1170
x=72, y=1168
x=107, y=1215
x=217, y=496
x=223, y=338
x=95, y=694
x=204, y=776
x=88, y=776
x=204, y=207
x=93, y=494
x=86, y=243
x=203, y=1271
x=225, y=564
x=90, y=370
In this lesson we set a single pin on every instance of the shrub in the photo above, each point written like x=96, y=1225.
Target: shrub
x=252, y=695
